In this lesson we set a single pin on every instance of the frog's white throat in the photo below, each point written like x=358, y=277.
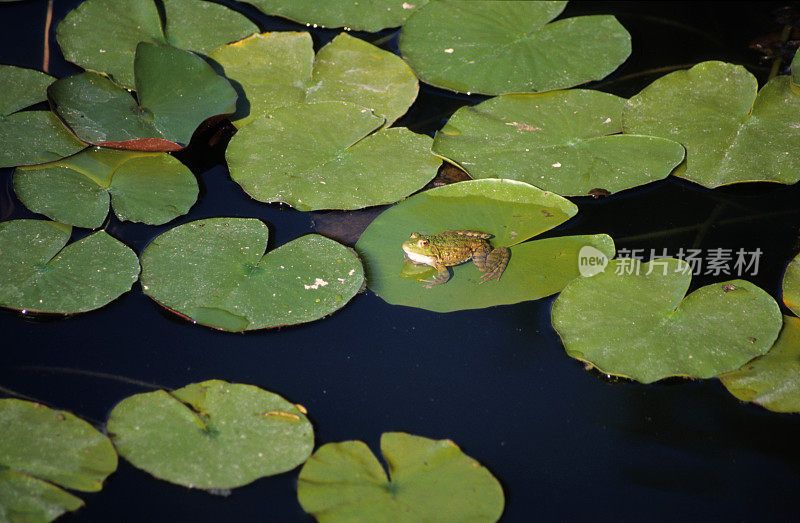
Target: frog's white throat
x=419, y=258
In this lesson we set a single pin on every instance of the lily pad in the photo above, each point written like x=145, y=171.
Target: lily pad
x=567, y=142
x=632, y=320
x=791, y=285
x=176, y=91
x=102, y=35
x=211, y=435
x=31, y=137
x=66, y=451
x=731, y=132
x=498, y=47
x=278, y=69
x=20, y=88
x=322, y=156
x=358, y=15
x=38, y=273
x=511, y=211
x=772, y=380
x=215, y=273
x=428, y=480
x=153, y=188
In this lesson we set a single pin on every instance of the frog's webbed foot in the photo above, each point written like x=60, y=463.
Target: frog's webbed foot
x=493, y=263
x=440, y=277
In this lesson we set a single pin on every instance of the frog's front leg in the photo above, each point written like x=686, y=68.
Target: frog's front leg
x=440, y=277
x=492, y=262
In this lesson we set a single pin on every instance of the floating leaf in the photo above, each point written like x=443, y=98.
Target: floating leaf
x=491, y=47
x=177, y=91
x=510, y=211
x=152, y=188
x=279, y=69
x=772, y=380
x=65, y=451
x=791, y=285
x=731, y=134
x=359, y=15
x=632, y=320
x=318, y=156
x=428, y=480
x=215, y=272
x=102, y=35
x=31, y=137
x=561, y=141
x=20, y=88
x=211, y=435
x=38, y=273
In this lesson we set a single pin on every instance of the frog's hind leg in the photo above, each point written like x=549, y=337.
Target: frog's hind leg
x=440, y=277
x=491, y=263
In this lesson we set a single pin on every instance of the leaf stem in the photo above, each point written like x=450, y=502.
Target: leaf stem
x=48, y=20
x=776, y=64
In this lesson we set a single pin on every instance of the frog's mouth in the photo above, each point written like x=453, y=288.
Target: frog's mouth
x=419, y=258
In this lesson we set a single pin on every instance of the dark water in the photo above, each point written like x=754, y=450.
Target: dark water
x=565, y=443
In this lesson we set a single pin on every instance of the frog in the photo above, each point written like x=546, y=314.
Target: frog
x=450, y=248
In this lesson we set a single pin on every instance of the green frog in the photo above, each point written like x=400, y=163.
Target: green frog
x=449, y=248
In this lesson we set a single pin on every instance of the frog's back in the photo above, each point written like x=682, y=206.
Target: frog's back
x=473, y=234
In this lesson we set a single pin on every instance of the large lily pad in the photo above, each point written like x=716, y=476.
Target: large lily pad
x=428, y=480
x=65, y=451
x=791, y=285
x=511, y=211
x=629, y=323
x=215, y=272
x=772, y=380
x=319, y=156
x=359, y=15
x=731, y=132
x=102, y=35
x=20, y=88
x=567, y=142
x=211, y=435
x=38, y=273
x=278, y=69
x=152, y=188
x=498, y=47
x=176, y=90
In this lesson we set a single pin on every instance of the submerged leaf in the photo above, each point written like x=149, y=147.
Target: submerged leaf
x=215, y=272
x=102, y=35
x=632, y=320
x=510, y=211
x=567, y=142
x=38, y=273
x=497, y=47
x=731, y=133
x=429, y=480
x=211, y=435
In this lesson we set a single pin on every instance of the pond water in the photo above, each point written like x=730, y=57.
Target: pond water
x=566, y=443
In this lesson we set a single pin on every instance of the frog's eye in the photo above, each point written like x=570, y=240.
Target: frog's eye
x=422, y=243
x=414, y=235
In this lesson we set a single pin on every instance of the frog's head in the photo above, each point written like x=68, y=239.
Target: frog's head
x=418, y=249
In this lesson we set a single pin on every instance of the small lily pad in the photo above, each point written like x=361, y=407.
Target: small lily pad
x=772, y=380
x=38, y=273
x=176, y=90
x=215, y=272
x=632, y=320
x=491, y=47
x=732, y=132
x=567, y=142
x=363, y=15
x=322, y=156
x=511, y=211
x=791, y=285
x=278, y=69
x=153, y=188
x=102, y=35
x=65, y=451
x=211, y=435
x=428, y=480
x=31, y=137
x=20, y=88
